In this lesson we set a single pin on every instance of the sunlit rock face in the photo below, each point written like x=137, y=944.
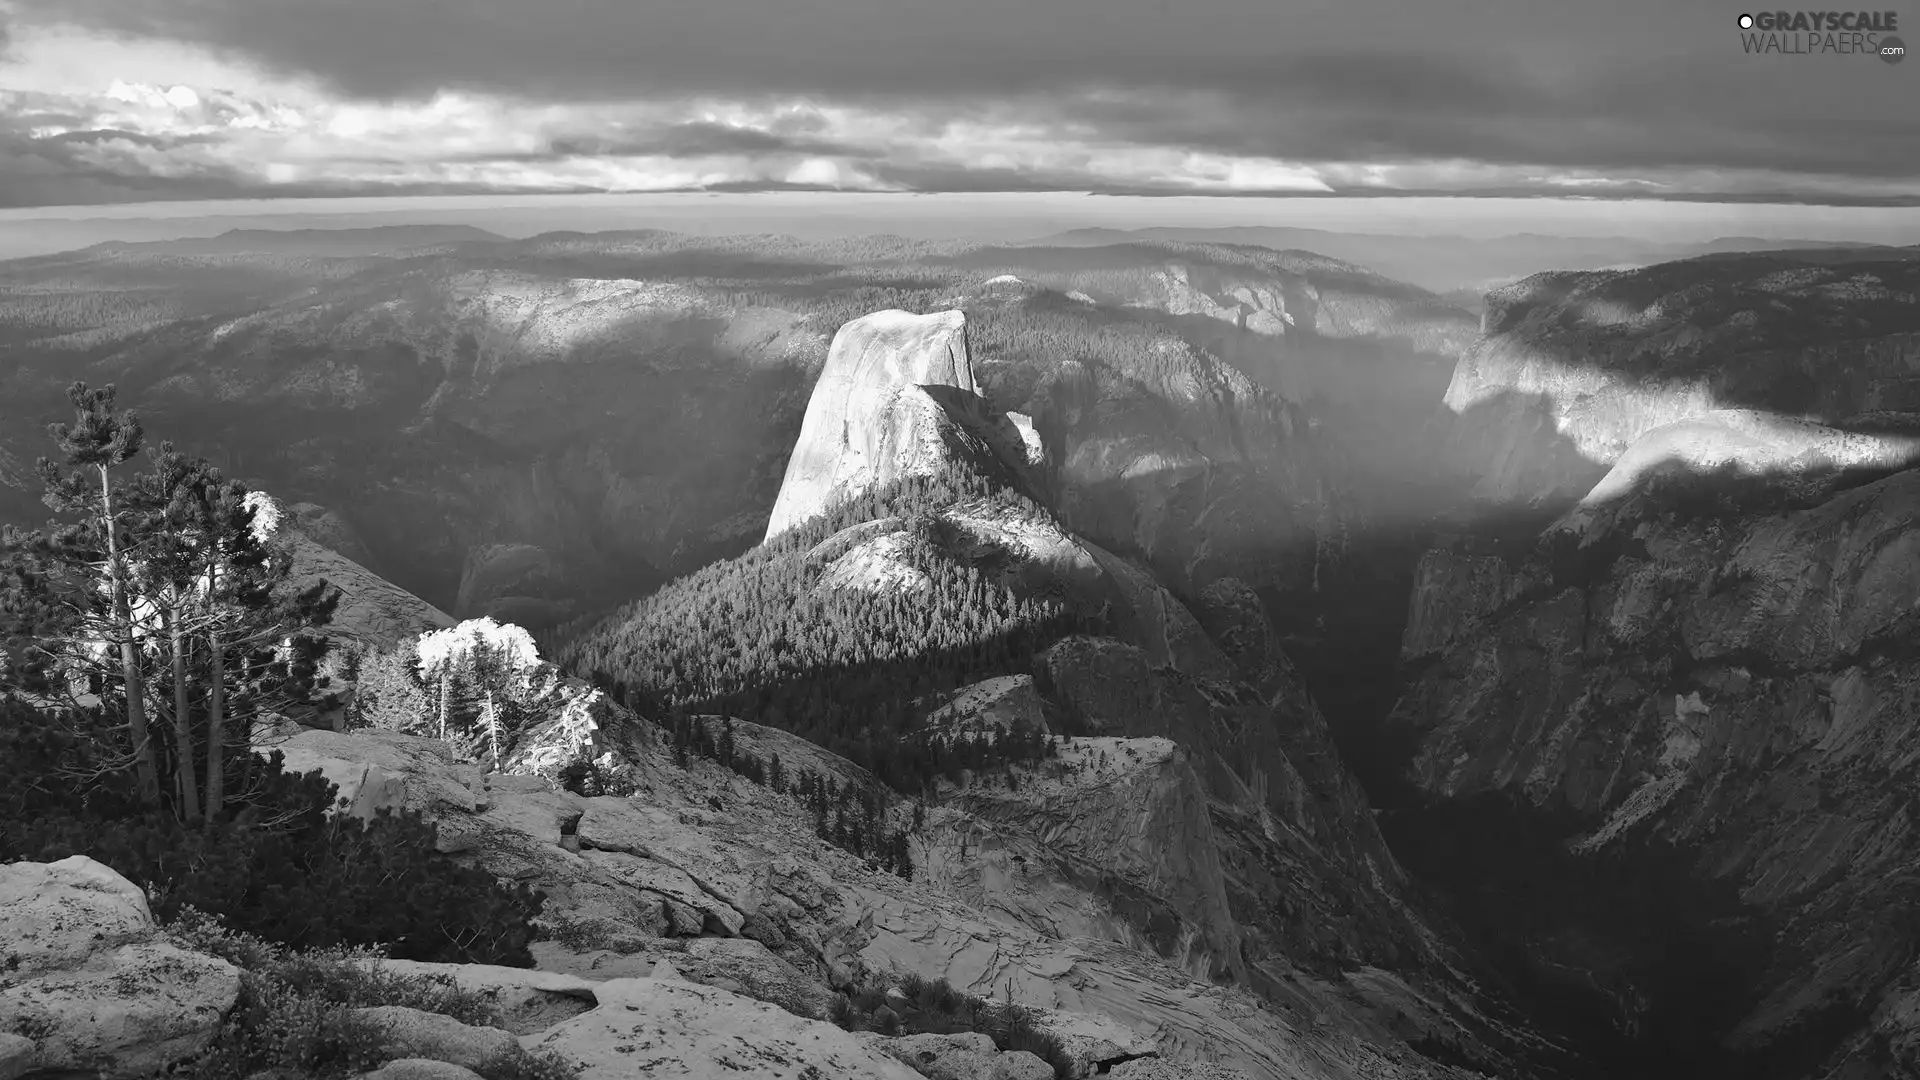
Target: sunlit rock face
x=1574, y=368
x=871, y=419
x=1751, y=446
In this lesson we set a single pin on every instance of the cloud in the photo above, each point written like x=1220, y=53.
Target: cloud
x=1637, y=99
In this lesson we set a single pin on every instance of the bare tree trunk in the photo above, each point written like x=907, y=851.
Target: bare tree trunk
x=493, y=731
x=216, y=728
x=182, y=718
x=146, y=773
x=443, y=706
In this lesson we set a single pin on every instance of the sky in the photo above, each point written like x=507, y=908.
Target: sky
x=133, y=101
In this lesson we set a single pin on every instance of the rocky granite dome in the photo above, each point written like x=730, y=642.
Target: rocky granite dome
x=877, y=413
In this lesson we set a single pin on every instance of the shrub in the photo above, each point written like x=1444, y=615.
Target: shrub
x=276, y=1027
x=938, y=1008
x=349, y=977
x=282, y=868
x=588, y=778
x=297, y=1010
x=522, y=1064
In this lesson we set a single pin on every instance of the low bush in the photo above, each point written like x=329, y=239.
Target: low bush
x=589, y=778
x=280, y=867
x=935, y=1007
x=297, y=1015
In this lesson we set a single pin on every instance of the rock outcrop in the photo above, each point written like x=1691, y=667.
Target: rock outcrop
x=414, y=1034
x=965, y=1056
x=1575, y=368
x=1754, y=447
x=727, y=884
x=1002, y=703
x=88, y=983
x=879, y=411
x=668, y=1028
x=1112, y=840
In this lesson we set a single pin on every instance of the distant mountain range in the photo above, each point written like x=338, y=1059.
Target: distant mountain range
x=327, y=243
x=1459, y=267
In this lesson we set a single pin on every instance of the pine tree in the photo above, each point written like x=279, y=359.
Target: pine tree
x=99, y=440
x=170, y=562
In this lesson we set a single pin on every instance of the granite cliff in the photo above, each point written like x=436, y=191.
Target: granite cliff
x=1654, y=739
x=1572, y=369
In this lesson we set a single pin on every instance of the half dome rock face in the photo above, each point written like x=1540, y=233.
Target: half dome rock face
x=873, y=418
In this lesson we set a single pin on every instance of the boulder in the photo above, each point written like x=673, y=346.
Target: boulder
x=654, y=1027
x=16, y=1056
x=967, y=1055
x=528, y=1001
x=1094, y=1043
x=759, y=973
x=420, y=1069
x=1021, y=1065
x=53, y=916
x=379, y=770
x=418, y=1034
x=89, y=981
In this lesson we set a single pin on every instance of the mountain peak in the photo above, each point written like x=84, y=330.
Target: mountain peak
x=878, y=412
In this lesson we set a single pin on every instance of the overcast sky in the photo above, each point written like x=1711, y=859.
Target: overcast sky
x=105, y=101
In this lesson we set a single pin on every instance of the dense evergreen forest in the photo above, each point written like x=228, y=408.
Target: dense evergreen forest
x=850, y=670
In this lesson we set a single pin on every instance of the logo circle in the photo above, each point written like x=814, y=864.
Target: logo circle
x=1746, y=22
x=1892, y=50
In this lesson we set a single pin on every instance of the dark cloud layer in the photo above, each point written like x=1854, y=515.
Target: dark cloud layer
x=1632, y=84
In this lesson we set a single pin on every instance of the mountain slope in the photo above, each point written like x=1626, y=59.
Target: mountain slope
x=850, y=627
x=1655, y=743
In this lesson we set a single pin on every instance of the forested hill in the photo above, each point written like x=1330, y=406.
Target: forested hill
x=792, y=635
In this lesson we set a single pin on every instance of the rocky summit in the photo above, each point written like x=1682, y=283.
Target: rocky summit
x=877, y=412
